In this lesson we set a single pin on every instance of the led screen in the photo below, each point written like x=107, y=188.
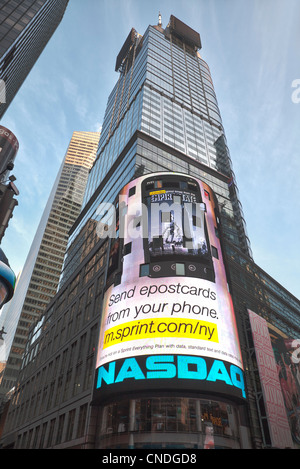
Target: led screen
x=166, y=231
x=167, y=320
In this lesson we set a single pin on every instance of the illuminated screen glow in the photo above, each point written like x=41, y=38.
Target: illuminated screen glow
x=181, y=310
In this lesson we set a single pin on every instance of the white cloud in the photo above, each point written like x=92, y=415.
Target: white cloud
x=72, y=91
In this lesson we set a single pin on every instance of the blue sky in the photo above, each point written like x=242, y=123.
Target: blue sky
x=252, y=48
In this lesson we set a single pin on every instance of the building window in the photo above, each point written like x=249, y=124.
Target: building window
x=77, y=380
x=71, y=420
x=44, y=428
x=51, y=431
x=216, y=421
x=59, y=434
x=82, y=420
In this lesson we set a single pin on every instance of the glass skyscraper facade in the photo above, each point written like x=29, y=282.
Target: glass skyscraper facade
x=25, y=29
x=162, y=117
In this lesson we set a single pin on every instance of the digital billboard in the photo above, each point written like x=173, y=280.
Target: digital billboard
x=168, y=322
x=278, y=361
x=9, y=147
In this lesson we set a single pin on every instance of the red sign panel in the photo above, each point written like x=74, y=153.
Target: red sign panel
x=275, y=408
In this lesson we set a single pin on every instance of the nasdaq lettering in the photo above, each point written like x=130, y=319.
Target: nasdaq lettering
x=170, y=367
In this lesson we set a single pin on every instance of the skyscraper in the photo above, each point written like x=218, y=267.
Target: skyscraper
x=164, y=97
x=40, y=275
x=141, y=346
x=25, y=29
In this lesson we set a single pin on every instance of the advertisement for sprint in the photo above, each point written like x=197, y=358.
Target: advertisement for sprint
x=167, y=316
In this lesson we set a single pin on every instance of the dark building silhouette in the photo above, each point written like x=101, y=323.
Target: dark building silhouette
x=25, y=29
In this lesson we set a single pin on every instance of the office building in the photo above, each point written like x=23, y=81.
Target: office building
x=25, y=29
x=114, y=362
x=41, y=272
